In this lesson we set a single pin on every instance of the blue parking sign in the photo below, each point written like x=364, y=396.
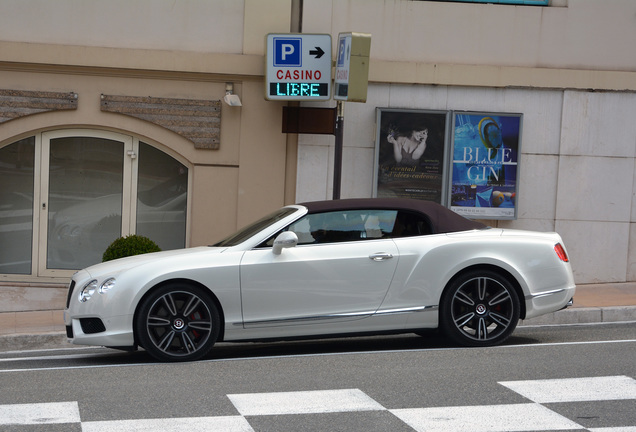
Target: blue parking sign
x=287, y=52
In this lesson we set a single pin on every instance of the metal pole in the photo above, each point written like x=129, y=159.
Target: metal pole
x=337, y=160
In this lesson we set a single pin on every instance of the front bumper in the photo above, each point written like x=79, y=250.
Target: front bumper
x=98, y=331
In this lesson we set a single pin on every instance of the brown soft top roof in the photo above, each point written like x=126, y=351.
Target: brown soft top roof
x=442, y=219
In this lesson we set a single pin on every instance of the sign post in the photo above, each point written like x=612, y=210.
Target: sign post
x=351, y=82
x=298, y=67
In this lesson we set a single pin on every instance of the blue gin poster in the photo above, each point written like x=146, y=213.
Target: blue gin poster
x=485, y=165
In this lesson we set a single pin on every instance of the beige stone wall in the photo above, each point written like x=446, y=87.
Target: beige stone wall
x=183, y=49
x=539, y=61
x=580, y=34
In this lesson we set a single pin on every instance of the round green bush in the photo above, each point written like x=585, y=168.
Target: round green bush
x=128, y=246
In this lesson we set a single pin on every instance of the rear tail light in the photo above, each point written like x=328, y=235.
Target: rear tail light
x=560, y=251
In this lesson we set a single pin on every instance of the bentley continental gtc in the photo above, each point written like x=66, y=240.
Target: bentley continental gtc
x=328, y=268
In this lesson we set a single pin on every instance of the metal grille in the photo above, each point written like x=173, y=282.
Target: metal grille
x=92, y=325
x=71, y=287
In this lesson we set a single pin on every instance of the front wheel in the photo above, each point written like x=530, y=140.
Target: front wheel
x=177, y=323
x=480, y=308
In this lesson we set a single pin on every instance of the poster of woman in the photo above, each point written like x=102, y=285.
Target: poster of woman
x=410, y=154
x=486, y=150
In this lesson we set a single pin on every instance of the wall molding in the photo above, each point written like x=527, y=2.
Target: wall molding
x=21, y=103
x=199, y=121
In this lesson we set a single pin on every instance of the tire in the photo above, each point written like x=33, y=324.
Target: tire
x=479, y=308
x=177, y=322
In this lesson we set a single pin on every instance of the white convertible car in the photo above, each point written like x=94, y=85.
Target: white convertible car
x=339, y=267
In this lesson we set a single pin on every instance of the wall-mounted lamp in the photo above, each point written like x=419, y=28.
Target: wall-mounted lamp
x=230, y=98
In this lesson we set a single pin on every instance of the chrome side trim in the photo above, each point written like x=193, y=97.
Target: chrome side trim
x=309, y=319
x=544, y=294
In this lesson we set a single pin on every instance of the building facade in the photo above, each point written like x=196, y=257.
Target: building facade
x=112, y=122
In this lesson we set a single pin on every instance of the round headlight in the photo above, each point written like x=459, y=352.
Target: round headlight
x=107, y=285
x=87, y=292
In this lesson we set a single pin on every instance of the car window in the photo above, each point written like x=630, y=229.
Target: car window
x=341, y=226
x=409, y=224
x=256, y=227
x=355, y=225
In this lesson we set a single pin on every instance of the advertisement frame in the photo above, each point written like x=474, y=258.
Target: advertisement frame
x=483, y=179
x=424, y=176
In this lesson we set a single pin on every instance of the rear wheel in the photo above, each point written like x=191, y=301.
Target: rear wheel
x=178, y=323
x=480, y=308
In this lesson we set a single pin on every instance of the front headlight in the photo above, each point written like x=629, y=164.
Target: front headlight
x=107, y=285
x=87, y=292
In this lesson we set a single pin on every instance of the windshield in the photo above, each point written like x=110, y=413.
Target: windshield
x=256, y=227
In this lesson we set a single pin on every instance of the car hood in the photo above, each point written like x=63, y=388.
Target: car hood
x=127, y=263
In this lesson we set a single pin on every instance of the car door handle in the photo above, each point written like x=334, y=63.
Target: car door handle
x=380, y=256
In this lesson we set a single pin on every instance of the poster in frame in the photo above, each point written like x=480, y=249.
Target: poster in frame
x=485, y=164
x=411, y=154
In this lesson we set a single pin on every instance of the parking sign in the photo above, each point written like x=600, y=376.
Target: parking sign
x=287, y=52
x=298, y=67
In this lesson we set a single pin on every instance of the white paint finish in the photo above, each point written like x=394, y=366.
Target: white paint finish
x=593, y=188
x=39, y=413
x=597, y=250
x=598, y=124
x=575, y=389
x=487, y=418
x=212, y=424
x=304, y=402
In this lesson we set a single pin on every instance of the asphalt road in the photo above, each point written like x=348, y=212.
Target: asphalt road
x=400, y=381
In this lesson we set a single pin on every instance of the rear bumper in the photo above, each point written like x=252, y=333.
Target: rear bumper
x=549, y=301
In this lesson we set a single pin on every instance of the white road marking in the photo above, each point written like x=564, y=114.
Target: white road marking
x=575, y=389
x=304, y=402
x=302, y=355
x=39, y=413
x=614, y=429
x=486, y=418
x=212, y=424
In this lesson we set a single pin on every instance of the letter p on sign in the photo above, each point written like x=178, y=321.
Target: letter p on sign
x=287, y=52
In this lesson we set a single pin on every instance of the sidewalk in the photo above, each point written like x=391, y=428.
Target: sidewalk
x=592, y=304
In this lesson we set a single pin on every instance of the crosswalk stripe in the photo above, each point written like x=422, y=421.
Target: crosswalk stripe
x=202, y=424
x=39, y=413
x=485, y=418
x=480, y=418
x=575, y=389
x=304, y=402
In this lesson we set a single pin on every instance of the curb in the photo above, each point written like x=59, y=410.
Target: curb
x=53, y=340
x=584, y=316
x=33, y=342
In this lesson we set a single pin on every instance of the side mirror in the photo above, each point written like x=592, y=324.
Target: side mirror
x=286, y=239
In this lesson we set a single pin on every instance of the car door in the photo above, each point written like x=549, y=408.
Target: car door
x=340, y=270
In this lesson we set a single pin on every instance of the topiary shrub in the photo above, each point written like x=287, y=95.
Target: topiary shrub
x=128, y=246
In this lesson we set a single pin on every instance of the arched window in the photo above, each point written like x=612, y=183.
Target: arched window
x=66, y=195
